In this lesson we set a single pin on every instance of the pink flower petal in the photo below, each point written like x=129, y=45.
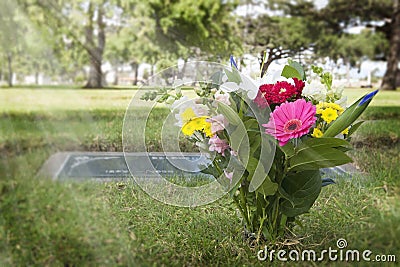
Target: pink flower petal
x=299, y=113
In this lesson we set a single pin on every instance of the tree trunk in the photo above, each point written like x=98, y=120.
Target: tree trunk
x=135, y=69
x=273, y=54
x=95, y=51
x=95, y=74
x=10, y=70
x=392, y=70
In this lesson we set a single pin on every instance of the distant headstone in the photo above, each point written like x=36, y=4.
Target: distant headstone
x=112, y=166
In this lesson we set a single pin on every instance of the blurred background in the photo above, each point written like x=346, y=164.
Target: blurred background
x=98, y=43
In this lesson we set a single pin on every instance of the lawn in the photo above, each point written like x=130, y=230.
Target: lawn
x=80, y=224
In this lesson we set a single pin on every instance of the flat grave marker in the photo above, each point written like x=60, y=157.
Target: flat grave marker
x=112, y=166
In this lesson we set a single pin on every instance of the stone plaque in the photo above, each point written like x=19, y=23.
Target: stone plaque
x=111, y=166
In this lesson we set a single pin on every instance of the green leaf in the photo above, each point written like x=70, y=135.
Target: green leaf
x=318, y=157
x=354, y=127
x=239, y=142
x=296, y=65
x=288, y=149
x=349, y=116
x=209, y=169
x=315, y=153
x=233, y=76
x=267, y=188
x=324, y=142
x=302, y=189
x=251, y=124
x=216, y=78
x=258, y=178
x=252, y=165
x=291, y=72
x=229, y=114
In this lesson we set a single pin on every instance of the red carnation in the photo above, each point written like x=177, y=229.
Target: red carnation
x=299, y=84
x=278, y=93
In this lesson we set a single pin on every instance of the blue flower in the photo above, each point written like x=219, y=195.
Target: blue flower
x=368, y=97
x=233, y=63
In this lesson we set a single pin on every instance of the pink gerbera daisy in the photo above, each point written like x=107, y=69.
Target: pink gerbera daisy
x=291, y=120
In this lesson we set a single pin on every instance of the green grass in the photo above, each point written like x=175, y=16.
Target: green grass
x=46, y=223
x=383, y=98
x=50, y=100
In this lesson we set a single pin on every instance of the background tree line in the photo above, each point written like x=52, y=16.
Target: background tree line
x=68, y=39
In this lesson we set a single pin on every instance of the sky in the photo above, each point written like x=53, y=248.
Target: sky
x=254, y=10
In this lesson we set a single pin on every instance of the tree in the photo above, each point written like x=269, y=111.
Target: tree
x=283, y=32
x=78, y=24
x=162, y=31
x=392, y=70
x=11, y=36
x=279, y=37
x=352, y=49
x=341, y=14
x=202, y=28
x=135, y=43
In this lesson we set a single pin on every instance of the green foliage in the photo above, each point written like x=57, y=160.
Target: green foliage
x=317, y=153
x=300, y=190
x=352, y=48
x=13, y=27
x=289, y=36
x=341, y=13
x=290, y=72
x=338, y=15
x=325, y=77
x=202, y=27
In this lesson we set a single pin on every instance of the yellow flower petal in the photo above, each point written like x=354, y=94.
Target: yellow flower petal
x=329, y=115
x=188, y=128
x=317, y=133
x=197, y=124
x=335, y=106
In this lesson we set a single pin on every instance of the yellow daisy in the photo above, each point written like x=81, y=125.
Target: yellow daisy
x=329, y=115
x=317, y=133
x=197, y=124
x=188, y=128
x=207, y=130
x=335, y=106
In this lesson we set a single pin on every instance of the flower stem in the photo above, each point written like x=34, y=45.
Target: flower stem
x=244, y=206
x=241, y=211
x=261, y=225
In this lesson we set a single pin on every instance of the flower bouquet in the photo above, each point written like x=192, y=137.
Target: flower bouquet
x=268, y=142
